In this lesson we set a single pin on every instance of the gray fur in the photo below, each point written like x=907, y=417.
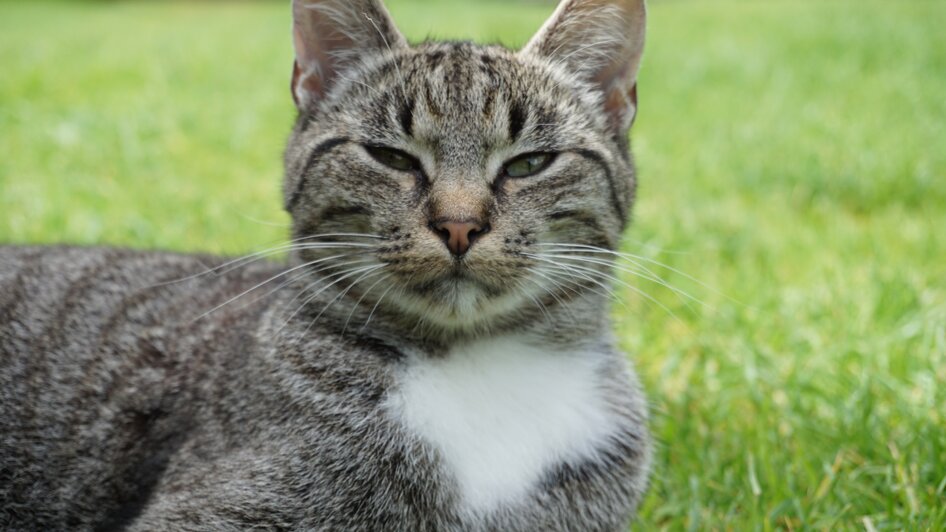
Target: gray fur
x=125, y=403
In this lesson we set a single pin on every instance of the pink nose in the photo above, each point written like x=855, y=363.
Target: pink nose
x=459, y=236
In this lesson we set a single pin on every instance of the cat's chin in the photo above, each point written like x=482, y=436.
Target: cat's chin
x=459, y=303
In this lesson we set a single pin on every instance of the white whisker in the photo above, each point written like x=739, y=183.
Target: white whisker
x=267, y=281
x=360, y=299
x=635, y=258
x=647, y=275
x=363, y=276
x=347, y=274
x=611, y=278
x=286, y=246
x=572, y=279
x=566, y=269
x=375, y=307
x=536, y=301
x=337, y=266
x=551, y=292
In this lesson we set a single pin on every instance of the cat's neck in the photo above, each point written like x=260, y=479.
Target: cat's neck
x=503, y=408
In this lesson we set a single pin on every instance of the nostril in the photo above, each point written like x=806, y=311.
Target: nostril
x=478, y=231
x=442, y=231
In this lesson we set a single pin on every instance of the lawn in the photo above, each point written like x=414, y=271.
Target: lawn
x=793, y=180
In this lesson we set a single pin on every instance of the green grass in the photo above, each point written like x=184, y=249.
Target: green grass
x=792, y=158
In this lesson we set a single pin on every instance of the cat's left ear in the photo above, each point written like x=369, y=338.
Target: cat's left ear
x=330, y=37
x=601, y=41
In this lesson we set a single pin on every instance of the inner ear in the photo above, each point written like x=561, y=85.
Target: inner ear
x=621, y=107
x=332, y=36
x=601, y=42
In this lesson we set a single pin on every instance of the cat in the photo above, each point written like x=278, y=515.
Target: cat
x=436, y=354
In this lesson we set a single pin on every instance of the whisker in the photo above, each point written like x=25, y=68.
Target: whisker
x=571, y=279
x=597, y=285
x=306, y=273
x=363, y=276
x=279, y=287
x=535, y=300
x=259, y=255
x=635, y=258
x=651, y=277
x=347, y=274
x=578, y=269
x=614, y=279
x=375, y=307
x=362, y=298
x=555, y=283
x=658, y=249
x=271, y=279
x=551, y=292
x=568, y=271
x=360, y=261
x=366, y=275
x=263, y=222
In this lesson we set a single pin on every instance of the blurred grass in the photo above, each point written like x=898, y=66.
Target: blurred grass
x=792, y=157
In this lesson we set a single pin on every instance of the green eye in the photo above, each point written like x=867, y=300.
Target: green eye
x=528, y=164
x=395, y=159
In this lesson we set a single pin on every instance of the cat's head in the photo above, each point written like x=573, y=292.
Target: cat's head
x=466, y=164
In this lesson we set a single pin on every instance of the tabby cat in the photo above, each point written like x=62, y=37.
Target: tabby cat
x=436, y=354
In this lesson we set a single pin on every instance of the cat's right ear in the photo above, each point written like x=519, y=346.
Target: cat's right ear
x=331, y=36
x=600, y=42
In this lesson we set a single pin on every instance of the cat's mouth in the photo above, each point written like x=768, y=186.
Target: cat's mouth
x=460, y=273
x=457, y=299
x=459, y=280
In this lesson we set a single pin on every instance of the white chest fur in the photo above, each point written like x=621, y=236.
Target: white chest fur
x=502, y=412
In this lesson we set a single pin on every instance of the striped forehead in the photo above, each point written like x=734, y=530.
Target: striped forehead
x=458, y=95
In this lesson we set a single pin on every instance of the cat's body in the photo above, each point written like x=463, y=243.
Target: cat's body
x=435, y=356
x=131, y=411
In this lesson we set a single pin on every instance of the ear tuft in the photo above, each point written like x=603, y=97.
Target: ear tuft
x=600, y=41
x=331, y=36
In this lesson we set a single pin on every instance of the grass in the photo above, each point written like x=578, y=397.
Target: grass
x=792, y=158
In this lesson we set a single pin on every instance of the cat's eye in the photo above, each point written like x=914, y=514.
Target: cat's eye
x=528, y=164
x=395, y=159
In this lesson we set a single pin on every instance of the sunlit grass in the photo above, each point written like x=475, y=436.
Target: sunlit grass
x=792, y=157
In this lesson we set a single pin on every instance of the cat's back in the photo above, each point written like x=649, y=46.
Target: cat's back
x=74, y=302
x=102, y=359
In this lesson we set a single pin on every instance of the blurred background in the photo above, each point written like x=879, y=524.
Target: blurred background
x=792, y=160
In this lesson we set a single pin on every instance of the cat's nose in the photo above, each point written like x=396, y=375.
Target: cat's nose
x=459, y=235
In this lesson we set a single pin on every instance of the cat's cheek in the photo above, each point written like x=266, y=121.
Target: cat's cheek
x=512, y=187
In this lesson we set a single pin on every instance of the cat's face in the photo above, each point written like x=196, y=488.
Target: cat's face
x=464, y=163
